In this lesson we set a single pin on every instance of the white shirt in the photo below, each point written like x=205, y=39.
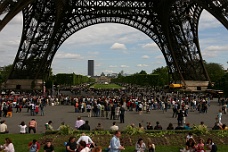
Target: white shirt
x=78, y=123
x=114, y=128
x=9, y=148
x=87, y=139
x=3, y=127
x=22, y=128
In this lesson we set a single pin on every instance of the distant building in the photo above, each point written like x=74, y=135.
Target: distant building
x=91, y=67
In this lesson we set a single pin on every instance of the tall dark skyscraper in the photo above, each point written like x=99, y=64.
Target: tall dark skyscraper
x=91, y=67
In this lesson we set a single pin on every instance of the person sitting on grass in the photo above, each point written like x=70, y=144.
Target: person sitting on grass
x=211, y=146
x=190, y=145
x=151, y=146
x=140, y=146
x=83, y=147
x=48, y=147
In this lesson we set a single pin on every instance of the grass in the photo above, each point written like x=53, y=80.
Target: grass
x=106, y=86
x=21, y=141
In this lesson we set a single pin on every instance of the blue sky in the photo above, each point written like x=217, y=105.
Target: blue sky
x=116, y=47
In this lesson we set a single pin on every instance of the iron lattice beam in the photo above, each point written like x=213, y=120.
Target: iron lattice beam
x=171, y=24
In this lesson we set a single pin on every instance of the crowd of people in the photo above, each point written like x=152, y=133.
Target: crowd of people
x=112, y=105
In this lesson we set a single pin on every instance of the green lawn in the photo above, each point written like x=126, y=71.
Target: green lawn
x=106, y=86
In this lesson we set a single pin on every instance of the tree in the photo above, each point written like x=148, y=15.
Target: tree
x=215, y=71
x=142, y=72
x=102, y=74
x=5, y=72
x=163, y=75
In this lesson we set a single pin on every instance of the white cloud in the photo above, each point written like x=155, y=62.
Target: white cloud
x=145, y=57
x=124, y=66
x=68, y=56
x=142, y=65
x=118, y=46
x=113, y=66
x=150, y=45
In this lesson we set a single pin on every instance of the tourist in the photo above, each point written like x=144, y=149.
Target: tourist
x=219, y=116
x=211, y=146
x=202, y=125
x=224, y=108
x=48, y=147
x=122, y=113
x=3, y=127
x=71, y=145
x=151, y=146
x=141, y=127
x=9, y=111
x=140, y=146
x=88, y=109
x=83, y=147
x=158, y=126
x=85, y=126
x=34, y=146
x=87, y=139
x=149, y=126
x=187, y=126
x=190, y=135
x=23, y=128
x=79, y=122
x=8, y=146
x=117, y=112
x=114, y=127
x=99, y=127
x=115, y=145
x=190, y=145
x=200, y=146
x=62, y=126
x=170, y=127
x=48, y=126
x=32, y=126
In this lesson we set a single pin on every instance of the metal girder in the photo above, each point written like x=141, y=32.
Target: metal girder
x=11, y=8
x=171, y=24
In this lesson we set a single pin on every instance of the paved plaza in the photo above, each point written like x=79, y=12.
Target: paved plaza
x=60, y=113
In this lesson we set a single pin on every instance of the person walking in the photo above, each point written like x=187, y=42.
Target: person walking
x=115, y=145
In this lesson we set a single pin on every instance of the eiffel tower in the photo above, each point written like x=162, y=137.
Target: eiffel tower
x=171, y=24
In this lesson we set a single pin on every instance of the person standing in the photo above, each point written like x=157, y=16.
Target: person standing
x=115, y=145
x=9, y=111
x=122, y=113
x=32, y=126
x=220, y=116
